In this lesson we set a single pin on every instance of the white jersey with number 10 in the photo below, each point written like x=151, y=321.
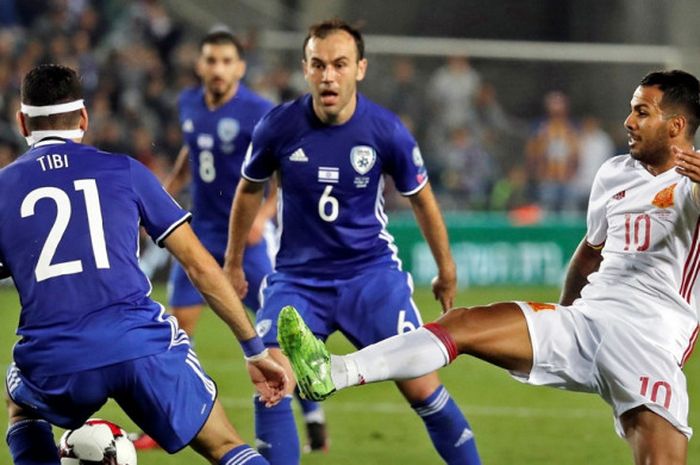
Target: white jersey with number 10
x=649, y=229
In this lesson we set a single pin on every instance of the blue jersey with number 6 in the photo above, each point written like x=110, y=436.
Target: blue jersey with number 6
x=332, y=180
x=69, y=234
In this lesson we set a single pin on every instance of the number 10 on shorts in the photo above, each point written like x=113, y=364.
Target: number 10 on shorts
x=659, y=387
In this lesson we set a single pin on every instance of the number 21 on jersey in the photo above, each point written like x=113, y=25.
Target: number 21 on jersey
x=44, y=268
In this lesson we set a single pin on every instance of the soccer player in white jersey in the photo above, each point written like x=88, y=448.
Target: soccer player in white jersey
x=69, y=229
x=627, y=318
x=331, y=149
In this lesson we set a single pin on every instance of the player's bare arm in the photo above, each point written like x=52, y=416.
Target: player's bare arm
x=267, y=211
x=180, y=174
x=586, y=260
x=268, y=377
x=246, y=204
x=431, y=224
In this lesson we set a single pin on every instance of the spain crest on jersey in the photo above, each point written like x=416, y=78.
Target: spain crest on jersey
x=664, y=198
x=362, y=158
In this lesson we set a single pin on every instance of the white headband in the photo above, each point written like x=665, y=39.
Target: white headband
x=46, y=110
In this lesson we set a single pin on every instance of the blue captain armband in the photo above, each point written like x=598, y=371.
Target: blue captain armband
x=253, y=349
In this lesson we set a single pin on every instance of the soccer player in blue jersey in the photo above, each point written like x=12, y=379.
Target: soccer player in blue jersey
x=69, y=230
x=337, y=263
x=217, y=120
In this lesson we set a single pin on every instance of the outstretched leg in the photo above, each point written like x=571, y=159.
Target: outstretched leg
x=497, y=334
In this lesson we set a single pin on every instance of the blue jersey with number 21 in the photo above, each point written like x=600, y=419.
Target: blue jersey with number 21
x=69, y=234
x=332, y=207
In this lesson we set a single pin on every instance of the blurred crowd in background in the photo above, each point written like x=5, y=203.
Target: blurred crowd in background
x=135, y=57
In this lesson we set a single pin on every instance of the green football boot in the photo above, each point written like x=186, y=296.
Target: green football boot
x=310, y=360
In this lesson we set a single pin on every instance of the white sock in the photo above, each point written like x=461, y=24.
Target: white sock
x=315, y=416
x=405, y=356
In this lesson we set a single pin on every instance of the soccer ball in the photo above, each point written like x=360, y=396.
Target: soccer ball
x=97, y=442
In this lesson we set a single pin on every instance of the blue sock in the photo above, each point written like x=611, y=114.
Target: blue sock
x=276, y=433
x=31, y=443
x=448, y=428
x=243, y=455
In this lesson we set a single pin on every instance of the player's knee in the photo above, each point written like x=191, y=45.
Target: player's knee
x=419, y=389
x=459, y=325
x=15, y=412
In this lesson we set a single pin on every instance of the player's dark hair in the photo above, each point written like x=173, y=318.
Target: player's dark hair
x=681, y=92
x=325, y=28
x=51, y=84
x=222, y=37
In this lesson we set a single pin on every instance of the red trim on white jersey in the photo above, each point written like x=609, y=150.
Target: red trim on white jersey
x=691, y=266
x=691, y=346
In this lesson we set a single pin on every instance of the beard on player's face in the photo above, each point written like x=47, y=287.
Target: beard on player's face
x=652, y=149
x=217, y=86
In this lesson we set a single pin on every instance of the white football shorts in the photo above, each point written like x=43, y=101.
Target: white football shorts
x=574, y=351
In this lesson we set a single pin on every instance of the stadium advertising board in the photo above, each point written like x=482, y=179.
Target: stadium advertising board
x=491, y=250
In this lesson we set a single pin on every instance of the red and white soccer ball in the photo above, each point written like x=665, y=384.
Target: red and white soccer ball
x=97, y=442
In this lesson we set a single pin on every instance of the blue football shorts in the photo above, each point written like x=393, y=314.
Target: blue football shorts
x=367, y=308
x=168, y=395
x=256, y=264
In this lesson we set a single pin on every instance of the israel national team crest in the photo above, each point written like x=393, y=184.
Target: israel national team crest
x=263, y=327
x=227, y=129
x=362, y=158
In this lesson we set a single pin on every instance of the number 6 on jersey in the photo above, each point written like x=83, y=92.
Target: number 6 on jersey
x=328, y=202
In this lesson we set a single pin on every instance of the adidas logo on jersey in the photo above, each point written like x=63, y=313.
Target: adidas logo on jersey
x=298, y=155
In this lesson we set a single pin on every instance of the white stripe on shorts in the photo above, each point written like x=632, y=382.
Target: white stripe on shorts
x=196, y=367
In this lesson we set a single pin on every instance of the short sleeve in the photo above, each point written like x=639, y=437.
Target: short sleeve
x=405, y=163
x=160, y=214
x=597, y=221
x=260, y=159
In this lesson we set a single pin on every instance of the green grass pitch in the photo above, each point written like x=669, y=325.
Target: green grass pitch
x=513, y=423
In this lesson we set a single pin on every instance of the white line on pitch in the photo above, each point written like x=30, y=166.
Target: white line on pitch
x=396, y=407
